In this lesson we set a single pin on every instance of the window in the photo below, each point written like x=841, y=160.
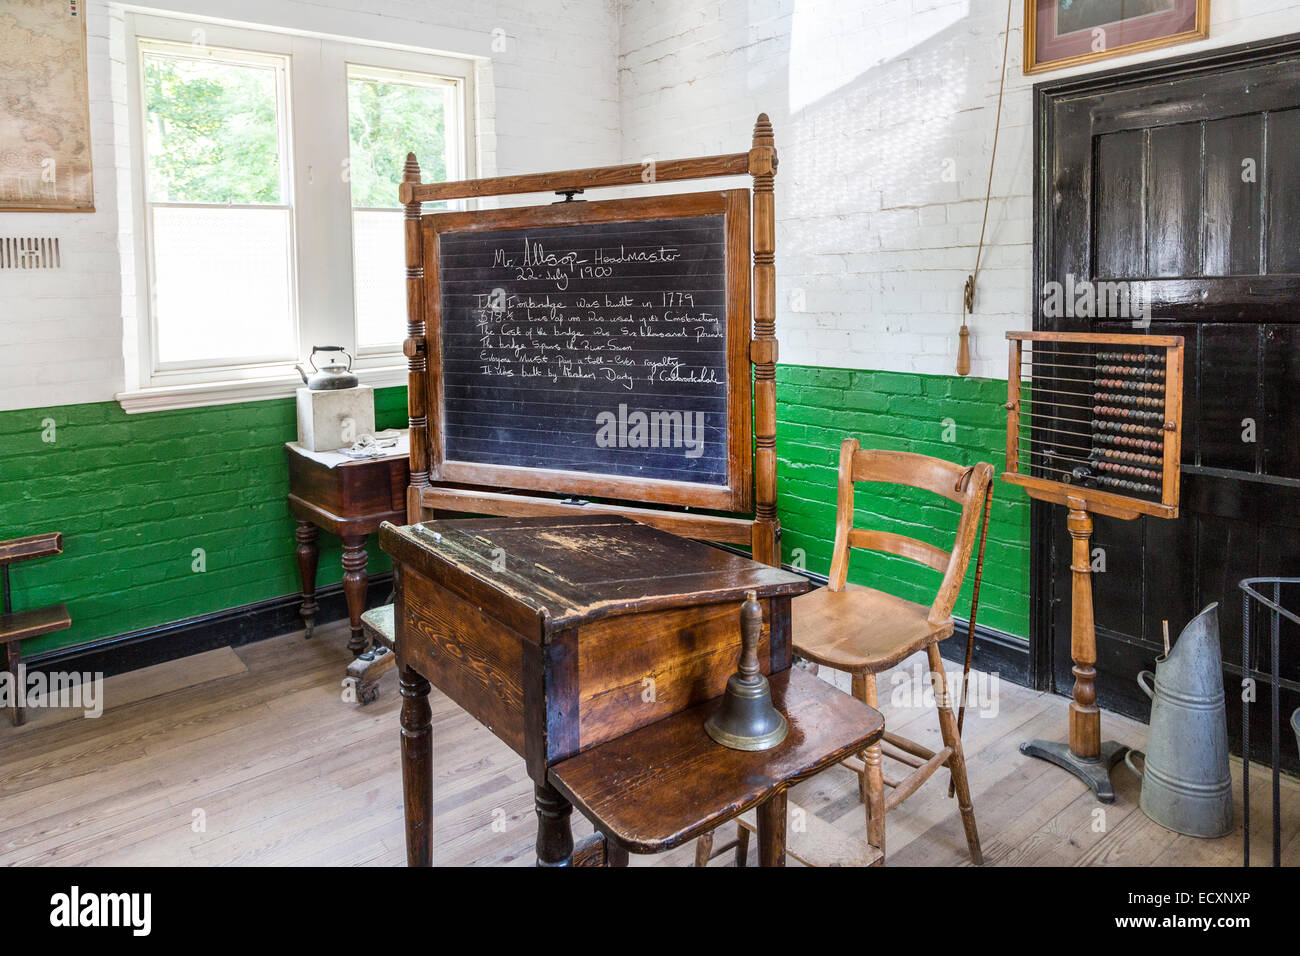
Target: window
x=266, y=168
x=218, y=206
x=390, y=114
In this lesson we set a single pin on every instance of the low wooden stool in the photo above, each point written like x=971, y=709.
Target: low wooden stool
x=667, y=783
x=18, y=626
x=365, y=671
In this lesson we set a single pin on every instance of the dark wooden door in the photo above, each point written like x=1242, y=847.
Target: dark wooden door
x=1182, y=179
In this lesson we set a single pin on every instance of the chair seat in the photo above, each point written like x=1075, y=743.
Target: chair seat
x=860, y=629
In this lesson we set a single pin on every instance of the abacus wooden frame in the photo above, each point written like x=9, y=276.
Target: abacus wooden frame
x=1107, y=503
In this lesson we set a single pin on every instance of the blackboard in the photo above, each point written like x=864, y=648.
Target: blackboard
x=599, y=343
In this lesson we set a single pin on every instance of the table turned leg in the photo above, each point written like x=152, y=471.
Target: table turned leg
x=308, y=553
x=417, y=767
x=554, y=832
x=771, y=830
x=354, y=588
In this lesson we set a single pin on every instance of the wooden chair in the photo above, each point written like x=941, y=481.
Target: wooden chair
x=18, y=626
x=864, y=631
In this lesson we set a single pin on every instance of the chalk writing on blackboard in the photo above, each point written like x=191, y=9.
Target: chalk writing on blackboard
x=598, y=348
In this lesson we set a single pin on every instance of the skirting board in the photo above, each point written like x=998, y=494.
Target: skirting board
x=995, y=651
x=229, y=628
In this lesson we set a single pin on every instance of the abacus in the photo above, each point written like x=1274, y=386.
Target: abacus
x=1096, y=417
x=1094, y=422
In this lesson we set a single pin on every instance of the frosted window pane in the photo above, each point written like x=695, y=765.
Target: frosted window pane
x=379, y=276
x=222, y=287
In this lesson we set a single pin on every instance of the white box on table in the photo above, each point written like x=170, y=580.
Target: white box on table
x=330, y=419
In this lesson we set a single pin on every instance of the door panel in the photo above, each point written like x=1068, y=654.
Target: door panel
x=1182, y=176
x=1280, y=402
x=1233, y=151
x=1225, y=378
x=1283, y=160
x=1173, y=201
x=1121, y=237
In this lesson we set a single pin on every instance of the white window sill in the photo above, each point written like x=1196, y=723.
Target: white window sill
x=166, y=397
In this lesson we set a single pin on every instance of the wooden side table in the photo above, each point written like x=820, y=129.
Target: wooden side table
x=350, y=500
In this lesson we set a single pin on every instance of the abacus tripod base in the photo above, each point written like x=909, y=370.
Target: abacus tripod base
x=1095, y=773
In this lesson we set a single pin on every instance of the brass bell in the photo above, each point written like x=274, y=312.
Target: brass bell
x=746, y=718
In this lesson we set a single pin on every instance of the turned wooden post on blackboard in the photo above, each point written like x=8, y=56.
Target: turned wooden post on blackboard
x=766, y=542
x=415, y=346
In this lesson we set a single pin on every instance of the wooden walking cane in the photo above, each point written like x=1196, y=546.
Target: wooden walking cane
x=970, y=629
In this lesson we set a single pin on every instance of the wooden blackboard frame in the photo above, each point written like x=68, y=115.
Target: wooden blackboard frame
x=737, y=493
x=756, y=525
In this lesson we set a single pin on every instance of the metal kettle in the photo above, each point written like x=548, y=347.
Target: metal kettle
x=333, y=375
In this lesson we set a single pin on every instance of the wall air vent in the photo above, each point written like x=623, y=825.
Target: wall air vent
x=30, y=252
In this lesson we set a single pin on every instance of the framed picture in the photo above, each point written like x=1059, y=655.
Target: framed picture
x=1063, y=33
x=45, y=137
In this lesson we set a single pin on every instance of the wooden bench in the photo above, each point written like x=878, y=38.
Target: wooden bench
x=18, y=626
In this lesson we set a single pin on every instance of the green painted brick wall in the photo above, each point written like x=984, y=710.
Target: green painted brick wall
x=960, y=419
x=134, y=495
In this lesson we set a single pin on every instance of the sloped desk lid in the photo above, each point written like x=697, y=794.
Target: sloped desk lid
x=572, y=570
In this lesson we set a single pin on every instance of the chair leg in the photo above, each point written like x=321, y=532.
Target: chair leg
x=704, y=849
x=860, y=692
x=872, y=779
x=742, y=846
x=956, y=763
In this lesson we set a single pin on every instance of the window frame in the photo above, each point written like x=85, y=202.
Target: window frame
x=184, y=372
x=456, y=151
x=315, y=142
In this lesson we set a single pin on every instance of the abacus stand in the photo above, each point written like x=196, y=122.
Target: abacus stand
x=1094, y=772
x=1085, y=755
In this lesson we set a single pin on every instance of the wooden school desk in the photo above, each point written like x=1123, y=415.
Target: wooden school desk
x=603, y=640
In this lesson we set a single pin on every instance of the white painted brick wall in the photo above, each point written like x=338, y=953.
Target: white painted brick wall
x=549, y=101
x=868, y=100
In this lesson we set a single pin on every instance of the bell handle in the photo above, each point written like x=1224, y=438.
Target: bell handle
x=1142, y=678
x=751, y=630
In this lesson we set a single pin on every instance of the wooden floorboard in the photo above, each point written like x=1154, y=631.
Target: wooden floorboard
x=253, y=757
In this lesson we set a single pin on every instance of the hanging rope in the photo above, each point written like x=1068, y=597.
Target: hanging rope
x=968, y=291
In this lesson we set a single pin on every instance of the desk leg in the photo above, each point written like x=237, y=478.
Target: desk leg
x=354, y=588
x=771, y=830
x=554, y=832
x=417, y=767
x=308, y=552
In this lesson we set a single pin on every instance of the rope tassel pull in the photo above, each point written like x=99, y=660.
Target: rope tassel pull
x=963, y=342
